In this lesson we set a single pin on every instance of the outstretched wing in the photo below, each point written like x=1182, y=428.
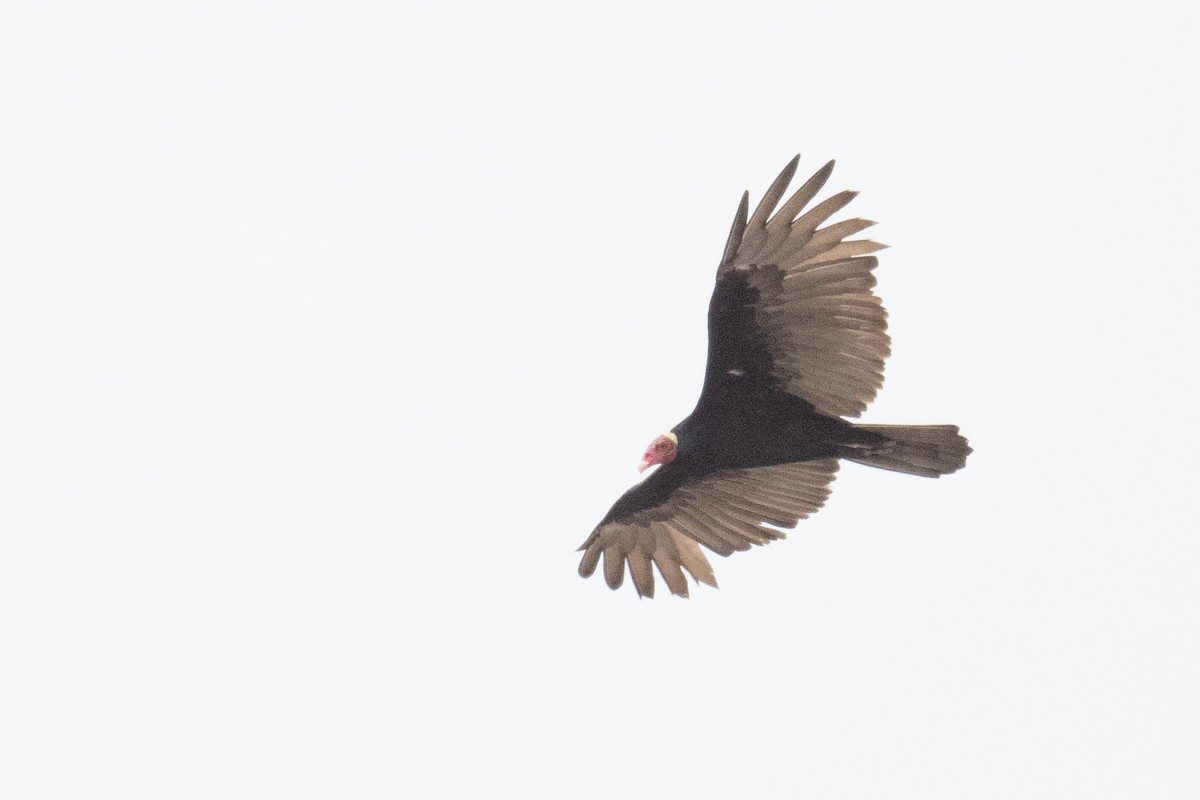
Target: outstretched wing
x=793, y=307
x=661, y=521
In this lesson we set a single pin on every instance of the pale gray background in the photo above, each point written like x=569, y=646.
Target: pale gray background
x=328, y=331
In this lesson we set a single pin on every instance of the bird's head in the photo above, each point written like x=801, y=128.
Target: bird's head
x=660, y=451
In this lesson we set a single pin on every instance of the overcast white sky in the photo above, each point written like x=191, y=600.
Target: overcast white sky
x=329, y=331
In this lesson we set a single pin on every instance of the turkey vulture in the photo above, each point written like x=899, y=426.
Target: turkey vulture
x=796, y=341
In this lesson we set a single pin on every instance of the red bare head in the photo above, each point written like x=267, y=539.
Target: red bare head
x=660, y=451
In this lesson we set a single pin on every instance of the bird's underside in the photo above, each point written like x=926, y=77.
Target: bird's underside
x=797, y=340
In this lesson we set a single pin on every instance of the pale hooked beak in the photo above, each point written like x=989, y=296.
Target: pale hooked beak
x=643, y=465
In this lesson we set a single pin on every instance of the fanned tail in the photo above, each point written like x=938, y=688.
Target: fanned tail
x=928, y=450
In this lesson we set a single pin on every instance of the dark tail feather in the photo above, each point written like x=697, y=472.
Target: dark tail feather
x=929, y=450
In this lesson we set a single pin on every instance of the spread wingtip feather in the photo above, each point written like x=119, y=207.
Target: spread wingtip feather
x=737, y=231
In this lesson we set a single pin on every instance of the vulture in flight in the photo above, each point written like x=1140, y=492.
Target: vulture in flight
x=796, y=342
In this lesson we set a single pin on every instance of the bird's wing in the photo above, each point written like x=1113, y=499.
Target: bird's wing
x=661, y=523
x=793, y=307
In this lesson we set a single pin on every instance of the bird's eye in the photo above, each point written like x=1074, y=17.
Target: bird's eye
x=661, y=446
